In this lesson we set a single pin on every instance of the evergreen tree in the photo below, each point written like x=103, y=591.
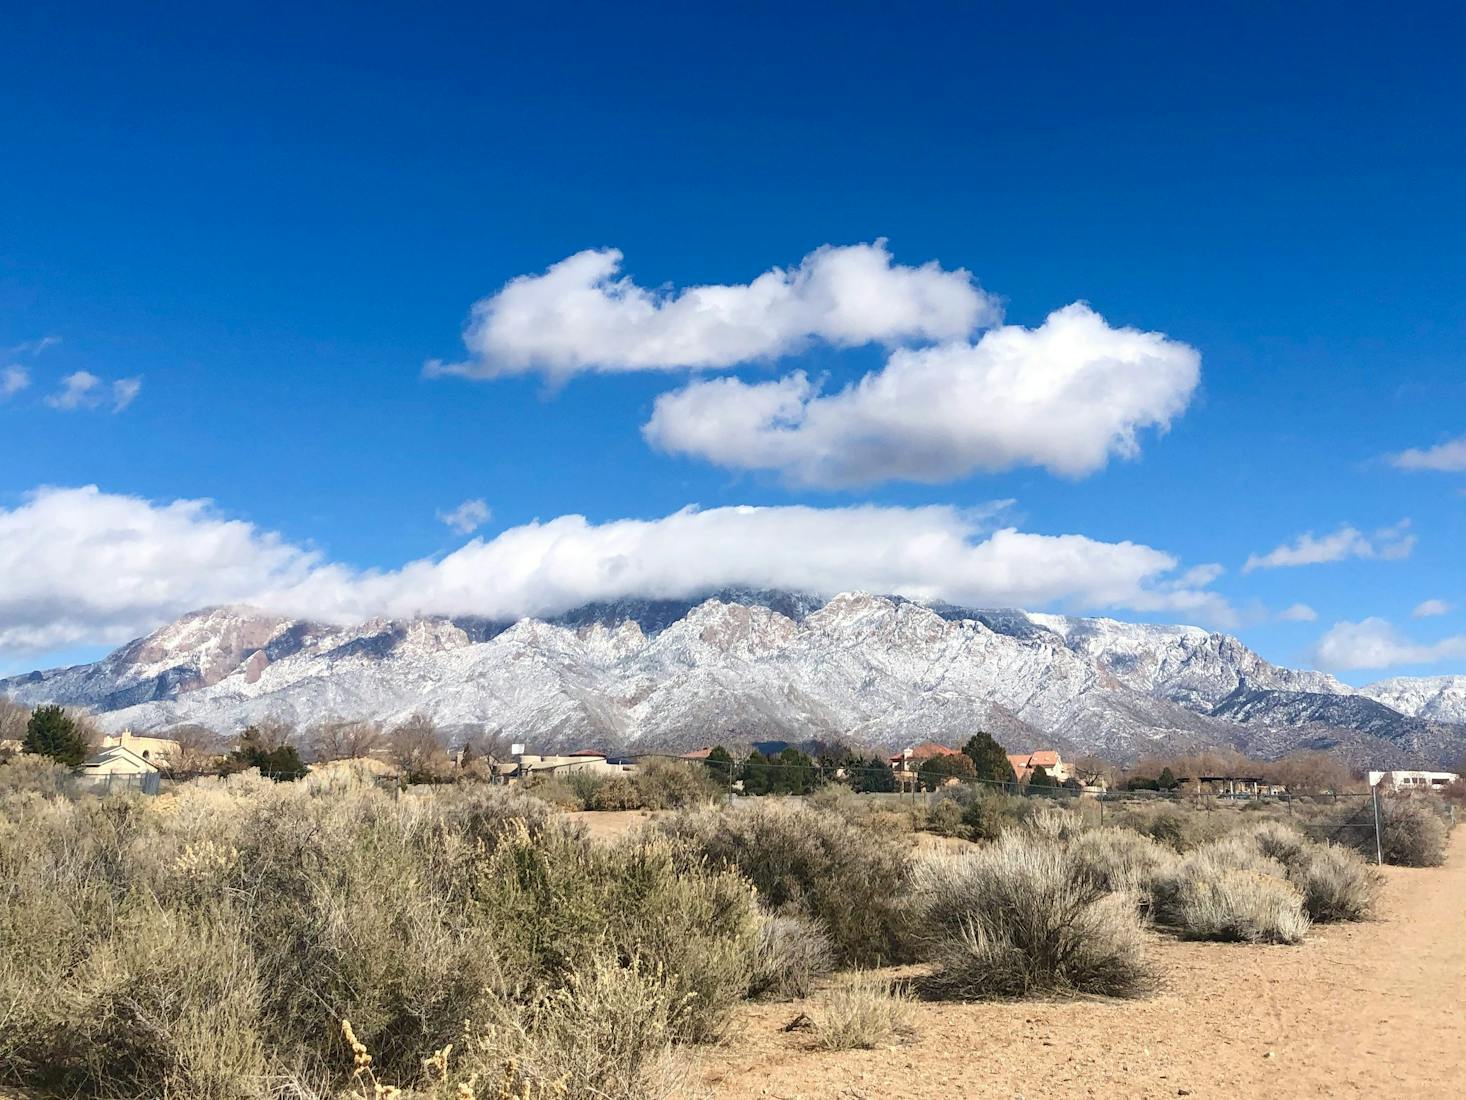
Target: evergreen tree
x=1166, y=781
x=935, y=772
x=989, y=759
x=1041, y=779
x=54, y=733
x=795, y=773
x=281, y=762
x=757, y=775
x=870, y=775
x=720, y=760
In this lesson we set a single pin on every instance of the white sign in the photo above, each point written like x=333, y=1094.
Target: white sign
x=516, y=750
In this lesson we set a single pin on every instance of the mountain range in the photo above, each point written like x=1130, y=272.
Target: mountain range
x=741, y=666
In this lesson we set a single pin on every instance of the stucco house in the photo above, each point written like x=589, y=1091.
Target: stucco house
x=1024, y=763
x=1412, y=780
x=120, y=768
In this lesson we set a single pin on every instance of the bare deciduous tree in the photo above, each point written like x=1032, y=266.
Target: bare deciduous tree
x=341, y=739
x=418, y=751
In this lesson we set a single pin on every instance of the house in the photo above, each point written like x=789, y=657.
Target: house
x=1024, y=763
x=1412, y=780
x=1249, y=786
x=908, y=761
x=159, y=750
x=582, y=760
x=119, y=768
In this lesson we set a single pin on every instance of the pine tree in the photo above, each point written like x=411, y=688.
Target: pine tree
x=720, y=760
x=54, y=733
x=935, y=772
x=989, y=759
x=1166, y=781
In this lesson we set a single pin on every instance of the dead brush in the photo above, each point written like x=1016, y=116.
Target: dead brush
x=862, y=1012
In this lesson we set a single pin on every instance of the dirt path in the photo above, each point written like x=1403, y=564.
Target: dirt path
x=1358, y=1011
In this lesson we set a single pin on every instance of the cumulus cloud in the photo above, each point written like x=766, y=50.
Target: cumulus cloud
x=1426, y=608
x=1448, y=457
x=1066, y=396
x=13, y=380
x=1374, y=643
x=582, y=315
x=1298, y=613
x=1392, y=543
x=80, y=565
x=467, y=517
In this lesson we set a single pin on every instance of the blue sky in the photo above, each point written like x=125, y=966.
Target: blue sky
x=272, y=218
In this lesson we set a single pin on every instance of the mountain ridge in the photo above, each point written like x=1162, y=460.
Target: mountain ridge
x=746, y=665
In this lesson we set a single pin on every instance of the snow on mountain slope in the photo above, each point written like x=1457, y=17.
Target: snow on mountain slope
x=745, y=667
x=1442, y=698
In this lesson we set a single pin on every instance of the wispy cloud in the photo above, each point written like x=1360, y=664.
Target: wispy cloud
x=1392, y=543
x=13, y=380
x=1298, y=613
x=1447, y=457
x=84, y=390
x=33, y=347
x=1428, y=608
x=467, y=517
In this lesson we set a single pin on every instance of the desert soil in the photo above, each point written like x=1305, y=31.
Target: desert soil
x=1368, y=1010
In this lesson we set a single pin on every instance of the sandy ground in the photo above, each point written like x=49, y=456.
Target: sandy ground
x=1371, y=1010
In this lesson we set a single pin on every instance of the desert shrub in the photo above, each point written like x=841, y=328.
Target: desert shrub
x=1050, y=822
x=861, y=1012
x=1412, y=835
x=1337, y=884
x=556, y=791
x=990, y=813
x=1281, y=842
x=1228, y=890
x=615, y=793
x=32, y=773
x=792, y=953
x=1021, y=917
x=1120, y=860
x=209, y=941
x=582, y=783
x=850, y=880
x=945, y=818
x=663, y=784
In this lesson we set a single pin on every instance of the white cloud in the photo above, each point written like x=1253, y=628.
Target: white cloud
x=84, y=390
x=1065, y=396
x=13, y=380
x=34, y=347
x=1388, y=544
x=1298, y=613
x=1426, y=608
x=80, y=565
x=1374, y=643
x=467, y=517
x=580, y=315
x=78, y=391
x=1448, y=457
x=124, y=392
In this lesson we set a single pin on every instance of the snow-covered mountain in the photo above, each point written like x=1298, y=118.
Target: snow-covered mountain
x=755, y=666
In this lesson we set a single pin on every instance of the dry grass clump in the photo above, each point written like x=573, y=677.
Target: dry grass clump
x=792, y=954
x=1228, y=890
x=1337, y=884
x=1413, y=835
x=849, y=880
x=1120, y=860
x=861, y=1012
x=1025, y=916
x=208, y=942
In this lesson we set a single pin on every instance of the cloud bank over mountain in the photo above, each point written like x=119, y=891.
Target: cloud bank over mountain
x=81, y=566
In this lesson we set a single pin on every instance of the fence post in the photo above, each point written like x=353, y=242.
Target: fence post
x=1379, y=851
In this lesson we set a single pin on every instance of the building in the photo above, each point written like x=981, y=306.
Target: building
x=582, y=760
x=119, y=768
x=1024, y=763
x=158, y=750
x=908, y=761
x=1412, y=781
